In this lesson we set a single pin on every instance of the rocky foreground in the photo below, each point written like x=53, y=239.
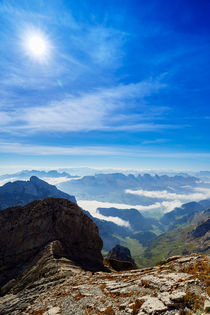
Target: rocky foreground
x=178, y=286
x=51, y=263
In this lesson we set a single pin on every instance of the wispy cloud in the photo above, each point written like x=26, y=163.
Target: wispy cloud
x=70, y=93
x=155, y=141
x=92, y=111
x=132, y=151
x=20, y=148
x=71, y=55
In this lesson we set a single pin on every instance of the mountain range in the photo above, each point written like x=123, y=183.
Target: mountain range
x=112, y=187
x=142, y=233
x=25, y=174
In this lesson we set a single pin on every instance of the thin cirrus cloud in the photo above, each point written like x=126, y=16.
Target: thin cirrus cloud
x=42, y=98
x=97, y=110
x=128, y=151
x=28, y=149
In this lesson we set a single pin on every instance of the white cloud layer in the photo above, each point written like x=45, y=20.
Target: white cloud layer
x=92, y=205
x=171, y=201
x=200, y=193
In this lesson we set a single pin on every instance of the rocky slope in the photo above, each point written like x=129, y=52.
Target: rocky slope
x=19, y=193
x=56, y=226
x=178, y=286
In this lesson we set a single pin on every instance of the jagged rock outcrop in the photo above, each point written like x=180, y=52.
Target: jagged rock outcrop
x=119, y=258
x=20, y=192
x=179, y=286
x=54, y=226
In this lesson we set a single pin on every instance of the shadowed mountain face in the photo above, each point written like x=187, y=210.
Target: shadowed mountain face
x=20, y=193
x=56, y=224
x=202, y=229
x=136, y=220
x=184, y=215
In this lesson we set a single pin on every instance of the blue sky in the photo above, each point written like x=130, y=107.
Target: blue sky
x=121, y=84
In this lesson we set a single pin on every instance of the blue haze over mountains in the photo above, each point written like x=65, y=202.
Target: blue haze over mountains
x=111, y=187
x=141, y=227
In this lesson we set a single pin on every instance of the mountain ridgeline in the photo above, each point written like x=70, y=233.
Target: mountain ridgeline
x=25, y=174
x=19, y=193
x=112, y=187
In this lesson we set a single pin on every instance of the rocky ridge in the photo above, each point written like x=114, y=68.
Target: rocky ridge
x=57, y=226
x=178, y=285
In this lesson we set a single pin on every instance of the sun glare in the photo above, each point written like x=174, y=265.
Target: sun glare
x=37, y=46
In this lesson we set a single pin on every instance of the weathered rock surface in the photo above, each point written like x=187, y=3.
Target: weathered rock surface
x=20, y=192
x=54, y=226
x=180, y=286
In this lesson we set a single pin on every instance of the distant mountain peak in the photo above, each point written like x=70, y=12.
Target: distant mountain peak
x=35, y=179
x=21, y=192
x=40, y=182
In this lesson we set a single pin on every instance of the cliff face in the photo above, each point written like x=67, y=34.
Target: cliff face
x=26, y=231
x=20, y=192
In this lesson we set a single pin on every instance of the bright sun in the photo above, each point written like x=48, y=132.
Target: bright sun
x=37, y=46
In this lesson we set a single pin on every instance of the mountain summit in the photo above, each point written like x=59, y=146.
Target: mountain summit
x=19, y=193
